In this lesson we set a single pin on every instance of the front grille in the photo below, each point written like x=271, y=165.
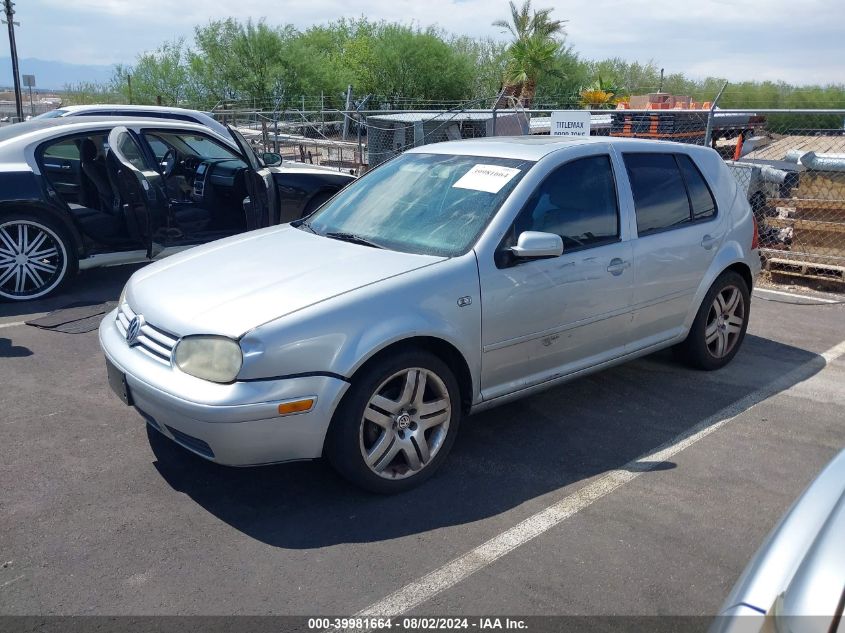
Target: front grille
x=153, y=341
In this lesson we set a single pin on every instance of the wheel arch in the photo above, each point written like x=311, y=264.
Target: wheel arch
x=731, y=256
x=441, y=348
x=44, y=212
x=744, y=271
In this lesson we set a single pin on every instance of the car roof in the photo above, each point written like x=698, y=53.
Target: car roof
x=123, y=106
x=536, y=147
x=43, y=128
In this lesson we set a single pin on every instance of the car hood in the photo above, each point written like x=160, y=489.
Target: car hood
x=289, y=166
x=233, y=285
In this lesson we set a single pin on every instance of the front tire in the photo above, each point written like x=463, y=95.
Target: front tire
x=36, y=257
x=720, y=325
x=396, y=425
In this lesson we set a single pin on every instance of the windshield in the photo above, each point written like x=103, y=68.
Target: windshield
x=250, y=154
x=51, y=114
x=432, y=204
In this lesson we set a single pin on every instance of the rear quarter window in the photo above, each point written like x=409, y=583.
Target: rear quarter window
x=701, y=198
x=66, y=149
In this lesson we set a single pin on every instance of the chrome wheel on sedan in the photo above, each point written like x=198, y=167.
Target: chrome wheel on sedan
x=405, y=423
x=725, y=321
x=396, y=423
x=33, y=259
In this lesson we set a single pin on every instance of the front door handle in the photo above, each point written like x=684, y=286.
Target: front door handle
x=617, y=266
x=708, y=241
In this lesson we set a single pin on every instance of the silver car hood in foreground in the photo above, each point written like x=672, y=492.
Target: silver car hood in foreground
x=230, y=286
x=799, y=571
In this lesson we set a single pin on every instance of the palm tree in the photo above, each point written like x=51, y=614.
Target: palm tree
x=537, y=38
x=601, y=94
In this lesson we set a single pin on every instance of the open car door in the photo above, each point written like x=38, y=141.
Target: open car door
x=262, y=209
x=142, y=193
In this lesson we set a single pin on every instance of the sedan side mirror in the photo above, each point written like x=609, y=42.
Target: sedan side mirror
x=271, y=159
x=535, y=245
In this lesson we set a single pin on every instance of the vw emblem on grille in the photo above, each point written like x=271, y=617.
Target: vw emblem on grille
x=134, y=330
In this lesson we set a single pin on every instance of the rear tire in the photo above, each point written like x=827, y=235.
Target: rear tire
x=396, y=424
x=720, y=325
x=36, y=257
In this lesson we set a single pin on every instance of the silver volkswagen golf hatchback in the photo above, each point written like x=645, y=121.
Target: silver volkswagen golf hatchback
x=456, y=277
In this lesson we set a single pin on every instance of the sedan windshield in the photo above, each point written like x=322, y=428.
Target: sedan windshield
x=432, y=204
x=50, y=114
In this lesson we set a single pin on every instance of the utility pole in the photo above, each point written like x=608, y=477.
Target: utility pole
x=660, y=87
x=10, y=12
x=129, y=85
x=346, y=113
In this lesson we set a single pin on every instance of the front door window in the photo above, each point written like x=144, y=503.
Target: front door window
x=205, y=183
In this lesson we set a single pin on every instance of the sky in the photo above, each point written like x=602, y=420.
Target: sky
x=798, y=41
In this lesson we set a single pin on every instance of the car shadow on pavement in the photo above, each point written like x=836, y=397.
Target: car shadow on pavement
x=90, y=287
x=542, y=446
x=10, y=350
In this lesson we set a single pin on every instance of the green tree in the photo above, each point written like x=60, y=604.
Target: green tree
x=537, y=40
x=630, y=77
x=161, y=74
x=239, y=61
x=488, y=58
x=561, y=85
x=87, y=92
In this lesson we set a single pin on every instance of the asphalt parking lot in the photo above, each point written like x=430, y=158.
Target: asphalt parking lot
x=643, y=489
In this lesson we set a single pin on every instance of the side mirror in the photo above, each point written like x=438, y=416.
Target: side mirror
x=534, y=245
x=271, y=159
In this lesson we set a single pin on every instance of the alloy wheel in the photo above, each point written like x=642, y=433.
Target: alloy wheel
x=405, y=423
x=724, y=322
x=33, y=259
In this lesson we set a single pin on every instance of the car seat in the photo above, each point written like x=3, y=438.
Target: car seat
x=94, y=168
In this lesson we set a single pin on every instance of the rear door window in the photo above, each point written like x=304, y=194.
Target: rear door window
x=660, y=197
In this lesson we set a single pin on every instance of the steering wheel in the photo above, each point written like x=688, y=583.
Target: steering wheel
x=168, y=162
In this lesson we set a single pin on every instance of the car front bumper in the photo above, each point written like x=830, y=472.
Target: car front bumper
x=236, y=424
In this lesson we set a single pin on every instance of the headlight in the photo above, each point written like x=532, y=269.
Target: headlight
x=214, y=358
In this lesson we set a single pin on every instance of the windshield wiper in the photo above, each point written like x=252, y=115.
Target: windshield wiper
x=351, y=237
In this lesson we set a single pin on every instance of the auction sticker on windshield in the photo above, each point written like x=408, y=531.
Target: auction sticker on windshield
x=489, y=178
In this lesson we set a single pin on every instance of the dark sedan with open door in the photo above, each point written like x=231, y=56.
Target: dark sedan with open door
x=83, y=193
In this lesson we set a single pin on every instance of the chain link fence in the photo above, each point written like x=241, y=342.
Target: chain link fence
x=789, y=164
x=791, y=167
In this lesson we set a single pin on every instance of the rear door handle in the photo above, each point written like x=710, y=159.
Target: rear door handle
x=617, y=266
x=708, y=241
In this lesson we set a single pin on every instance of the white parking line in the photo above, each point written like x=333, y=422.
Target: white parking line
x=453, y=572
x=12, y=324
x=796, y=295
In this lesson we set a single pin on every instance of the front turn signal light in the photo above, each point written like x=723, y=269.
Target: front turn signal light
x=297, y=406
